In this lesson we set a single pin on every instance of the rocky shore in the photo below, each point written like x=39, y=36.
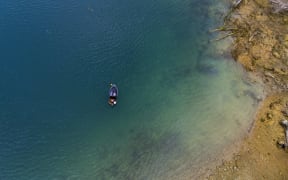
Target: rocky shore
x=260, y=32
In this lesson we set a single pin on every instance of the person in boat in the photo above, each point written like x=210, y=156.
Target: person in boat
x=112, y=101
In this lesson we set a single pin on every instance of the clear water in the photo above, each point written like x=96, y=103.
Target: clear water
x=181, y=102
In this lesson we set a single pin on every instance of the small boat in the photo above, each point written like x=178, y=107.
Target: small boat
x=113, y=94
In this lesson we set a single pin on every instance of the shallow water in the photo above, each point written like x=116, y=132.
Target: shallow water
x=181, y=101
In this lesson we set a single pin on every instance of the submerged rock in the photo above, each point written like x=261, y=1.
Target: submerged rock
x=253, y=95
x=206, y=69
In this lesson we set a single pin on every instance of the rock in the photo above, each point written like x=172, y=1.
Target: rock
x=256, y=51
x=269, y=115
x=246, y=61
x=276, y=54
x=284, y=123
x=281, y=144
x=252, y=95
x=262, y=3
x=278, y=70
x=274, y=87
x=259, y=98
x=262, y=119
x=283, y=69
x=272, y=106
x=236, y=3
x=285, y=112
x=279, y=5
x=286, y=44
x=268, y=67
x=268, y=74
x=286, y=37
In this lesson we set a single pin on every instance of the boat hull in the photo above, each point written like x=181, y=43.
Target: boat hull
x=113, y=95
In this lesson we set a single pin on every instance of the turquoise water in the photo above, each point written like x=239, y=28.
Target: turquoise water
x=182, y=100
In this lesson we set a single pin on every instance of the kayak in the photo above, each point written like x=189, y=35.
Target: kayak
x=113, y=94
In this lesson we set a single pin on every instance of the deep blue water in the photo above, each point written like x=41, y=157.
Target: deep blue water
x=56, y=63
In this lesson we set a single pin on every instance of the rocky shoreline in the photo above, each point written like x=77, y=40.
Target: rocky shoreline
x=260, y=32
